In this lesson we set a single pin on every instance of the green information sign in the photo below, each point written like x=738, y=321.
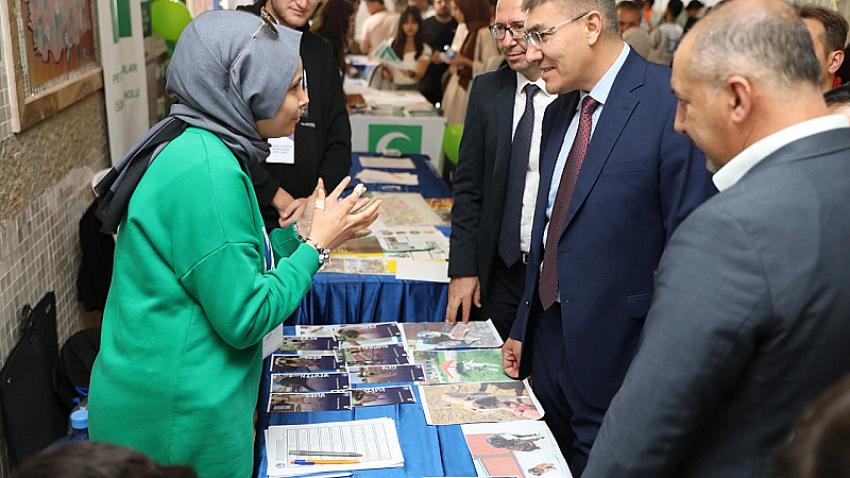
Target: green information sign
x=395, y=138
x=122, y=26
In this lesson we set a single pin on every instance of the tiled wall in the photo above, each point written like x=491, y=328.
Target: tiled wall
x=45, y=175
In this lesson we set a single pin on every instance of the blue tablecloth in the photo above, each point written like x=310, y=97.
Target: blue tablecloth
x=354, y=298
x=428, y=450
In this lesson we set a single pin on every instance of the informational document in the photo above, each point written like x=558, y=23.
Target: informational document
x=376, y=176
x=383, y=162
x=272, y=341
x=427, y=271
x=445, y=336
x=525, y=449
x=370, y=397
x=375, y=441
x=457, y=366
x=478, y=402
x=423, y=243
x=360, y=265
x=356, y=335
x=404, y=209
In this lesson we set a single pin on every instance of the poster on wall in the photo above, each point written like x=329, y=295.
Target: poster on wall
x=50, y=56
x=125, y=90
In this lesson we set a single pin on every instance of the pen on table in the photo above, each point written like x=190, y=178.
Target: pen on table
x=325, y=462
x=324, y=453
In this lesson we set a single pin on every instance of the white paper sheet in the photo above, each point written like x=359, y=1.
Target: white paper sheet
x=418, y=243
x=375, y=176
x=375, y=439
x=428, y=271
x=526, y=449
x=272, y=341
x=385, y=162
x=282, y=150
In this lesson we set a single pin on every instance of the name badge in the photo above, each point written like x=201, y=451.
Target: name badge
x=282, y=150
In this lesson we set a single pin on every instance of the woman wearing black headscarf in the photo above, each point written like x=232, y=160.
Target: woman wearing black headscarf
x=197, y=284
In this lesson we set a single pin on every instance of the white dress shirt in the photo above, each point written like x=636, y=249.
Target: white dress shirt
x=532, y=174
x=737, y=167
x=599, y=93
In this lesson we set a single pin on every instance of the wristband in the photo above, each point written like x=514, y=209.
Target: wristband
x=324, y=254
x=297, y=232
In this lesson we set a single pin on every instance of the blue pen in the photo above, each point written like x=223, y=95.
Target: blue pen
x=324, y=462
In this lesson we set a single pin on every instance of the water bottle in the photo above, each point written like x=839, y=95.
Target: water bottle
x=80, y=425
x=449, y=54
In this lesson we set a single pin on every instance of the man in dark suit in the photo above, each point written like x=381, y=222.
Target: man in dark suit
x=751, y=317
x=496, y=181
x=617, y=181
x=322, y=138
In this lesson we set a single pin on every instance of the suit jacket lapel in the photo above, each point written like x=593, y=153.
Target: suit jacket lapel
x=613, y=119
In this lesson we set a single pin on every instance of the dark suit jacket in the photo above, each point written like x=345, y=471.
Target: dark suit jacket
x=482, y=174
x=751, y=320
x=638, y=181
x=322, y=139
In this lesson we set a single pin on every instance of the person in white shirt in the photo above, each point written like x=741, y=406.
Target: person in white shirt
x=628, y=17
x=665, y=37
x=496, y=181
x=750, y=316
x=410, y=48
x=379, y=27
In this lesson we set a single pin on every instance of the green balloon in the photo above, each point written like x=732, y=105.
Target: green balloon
x=170, y=46
x=169, y=18
x=451, y=141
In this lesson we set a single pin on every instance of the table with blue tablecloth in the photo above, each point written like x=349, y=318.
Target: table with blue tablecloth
x=428, y=450
x=354, y=298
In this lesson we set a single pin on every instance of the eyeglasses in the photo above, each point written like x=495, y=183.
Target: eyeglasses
x=268, y=22
x=499, y=30
x=536, y=39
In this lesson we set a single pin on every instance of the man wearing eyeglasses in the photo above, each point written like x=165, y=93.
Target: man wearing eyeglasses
x=616, y=181
x=496, y=181
x=322, y=138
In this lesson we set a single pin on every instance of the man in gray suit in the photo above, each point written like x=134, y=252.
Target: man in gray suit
x=751, y=315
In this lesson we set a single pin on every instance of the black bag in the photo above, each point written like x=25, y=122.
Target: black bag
x=31, y=413
x=96, y=267
x=75, y=363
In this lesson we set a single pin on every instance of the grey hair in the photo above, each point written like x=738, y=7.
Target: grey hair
x=576, y=7
x=768, y=44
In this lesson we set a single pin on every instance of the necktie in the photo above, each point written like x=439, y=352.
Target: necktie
x=512, y=211
x=549, y=276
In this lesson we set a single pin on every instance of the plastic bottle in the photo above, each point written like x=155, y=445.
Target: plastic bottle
x=449, y=54
x=80, y=425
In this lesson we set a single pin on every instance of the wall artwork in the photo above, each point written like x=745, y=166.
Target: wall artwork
x=51, y=57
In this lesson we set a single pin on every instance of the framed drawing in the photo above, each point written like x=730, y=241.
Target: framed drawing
x=51, y=57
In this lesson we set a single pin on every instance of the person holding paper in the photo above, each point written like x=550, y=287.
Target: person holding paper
x=409, y=47
x=197, y=283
